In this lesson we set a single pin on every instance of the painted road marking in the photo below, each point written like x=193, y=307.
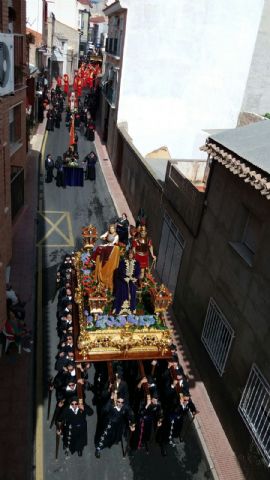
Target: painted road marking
x=62, y=217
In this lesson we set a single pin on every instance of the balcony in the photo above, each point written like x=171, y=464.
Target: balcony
x=112, y=46
x=19, y=61
x=109, y=93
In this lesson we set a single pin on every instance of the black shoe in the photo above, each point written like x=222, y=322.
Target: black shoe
x=79, y=453
x=97, y=453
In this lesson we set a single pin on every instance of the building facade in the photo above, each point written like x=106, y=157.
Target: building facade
x=12, y=131
x=222, y=286
x=114, y=51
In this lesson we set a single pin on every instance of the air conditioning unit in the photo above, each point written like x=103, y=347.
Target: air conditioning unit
x=6, y=64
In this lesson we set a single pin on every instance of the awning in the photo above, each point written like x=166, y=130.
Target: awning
x=57, y=56
x=33, y=69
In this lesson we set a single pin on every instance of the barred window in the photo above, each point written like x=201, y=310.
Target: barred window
x=254, y=408
x=217, y=336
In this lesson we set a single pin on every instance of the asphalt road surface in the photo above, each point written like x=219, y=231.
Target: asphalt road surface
x=62, y=214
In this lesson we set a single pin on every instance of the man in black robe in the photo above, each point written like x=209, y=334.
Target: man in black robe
x=175, y=415
x=60, y=177
x=91, y=160
x=49, y=166
x=116, y=418
x=74, y=426
x=149, y=414
x=50, y=120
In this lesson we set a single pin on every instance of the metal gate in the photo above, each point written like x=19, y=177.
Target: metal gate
x=17, y=190
x=170, y=253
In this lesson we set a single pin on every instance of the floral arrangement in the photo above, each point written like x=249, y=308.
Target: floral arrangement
x=101, y=322
x=88, y=283
x=148, y=282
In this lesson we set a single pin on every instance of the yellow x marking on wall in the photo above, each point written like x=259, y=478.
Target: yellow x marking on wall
x=65, y=233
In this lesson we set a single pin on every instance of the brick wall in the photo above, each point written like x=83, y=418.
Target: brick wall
x=10, y=156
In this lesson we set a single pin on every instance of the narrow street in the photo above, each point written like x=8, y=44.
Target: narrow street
x=62, y=213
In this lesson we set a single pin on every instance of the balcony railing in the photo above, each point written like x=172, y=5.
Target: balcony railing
x=19, y=61
x=109, y=93
x=112, y=46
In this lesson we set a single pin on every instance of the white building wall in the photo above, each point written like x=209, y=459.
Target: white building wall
x=185, y=69
x=65, y=11
x=34, y=15
x=257, y=96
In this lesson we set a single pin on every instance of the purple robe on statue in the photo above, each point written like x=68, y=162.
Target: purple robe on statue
x=128, y=273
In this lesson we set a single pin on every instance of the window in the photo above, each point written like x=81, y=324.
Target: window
x=171, y=248
x=110, y=45
x=254, y=408
x=217, y=336
x=247, y=245
x=15, y=125
x=115, y=41
x=250, y=235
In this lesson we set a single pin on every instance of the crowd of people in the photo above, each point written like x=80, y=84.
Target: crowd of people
x=55, y=168
x=136, y=402
x=71, y=380
x=80, y=115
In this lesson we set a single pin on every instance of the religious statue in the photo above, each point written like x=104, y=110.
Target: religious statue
x=111, y=237
x=107, y=257
x=142, y=246
x=127, y=276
